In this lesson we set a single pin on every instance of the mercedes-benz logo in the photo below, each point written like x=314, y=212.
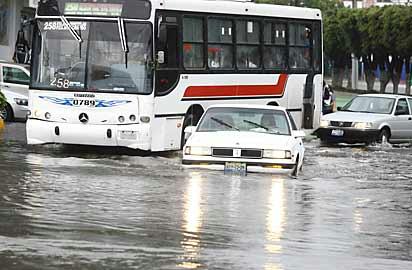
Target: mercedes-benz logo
x=84, y=118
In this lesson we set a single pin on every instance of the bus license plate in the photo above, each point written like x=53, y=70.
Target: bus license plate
x=128, y=135
x=237, y=168
x=337, y=132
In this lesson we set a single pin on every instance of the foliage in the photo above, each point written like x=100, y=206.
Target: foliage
x=2, y=101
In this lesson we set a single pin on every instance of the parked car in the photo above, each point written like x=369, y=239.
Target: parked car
x=14, y=84
x=245, y=138
x=369, y=118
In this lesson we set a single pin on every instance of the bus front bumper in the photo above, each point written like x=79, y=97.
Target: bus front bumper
x=135, y=136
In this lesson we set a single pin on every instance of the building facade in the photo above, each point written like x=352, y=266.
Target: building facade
x=12, y=14
x=378, y=3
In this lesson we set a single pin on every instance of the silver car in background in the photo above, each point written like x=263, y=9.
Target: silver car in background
x=14, y=84
x=369, y=118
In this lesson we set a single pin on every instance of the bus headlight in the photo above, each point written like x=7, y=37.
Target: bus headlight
x=145, y=119
x=47, y=115
x=198, y=151
x=121, y=119
x=324, y=123
x=132, y=117
x=362, y=125
x=277, y=154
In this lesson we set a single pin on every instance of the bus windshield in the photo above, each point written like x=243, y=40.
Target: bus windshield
x=98, y=62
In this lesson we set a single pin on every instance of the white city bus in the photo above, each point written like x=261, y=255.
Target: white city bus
x=135, y=73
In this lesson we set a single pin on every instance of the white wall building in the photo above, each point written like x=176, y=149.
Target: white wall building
x=379, y=3
x=11, y=14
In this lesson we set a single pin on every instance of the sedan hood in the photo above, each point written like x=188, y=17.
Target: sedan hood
x=354, y=117
x=241, y=139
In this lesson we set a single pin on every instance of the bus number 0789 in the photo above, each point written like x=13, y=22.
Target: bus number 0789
x=84, y=102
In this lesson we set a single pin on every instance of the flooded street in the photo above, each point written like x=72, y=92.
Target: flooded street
x=94, y=208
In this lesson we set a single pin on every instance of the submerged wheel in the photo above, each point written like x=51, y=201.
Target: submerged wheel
x=296, y=169
x=384, y=136
x=190, y=120
x=7, y=113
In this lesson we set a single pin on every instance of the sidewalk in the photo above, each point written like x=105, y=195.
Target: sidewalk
x=363, y=87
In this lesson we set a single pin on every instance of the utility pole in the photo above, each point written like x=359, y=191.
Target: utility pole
x=354, y=59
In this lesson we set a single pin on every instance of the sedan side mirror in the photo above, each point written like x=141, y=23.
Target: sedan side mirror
x=298, y=134
x=189, y=130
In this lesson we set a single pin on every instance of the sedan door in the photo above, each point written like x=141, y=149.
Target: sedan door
x=15, y=79
x=401, y=121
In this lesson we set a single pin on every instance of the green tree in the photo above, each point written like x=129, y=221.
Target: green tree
x=397, y=42
x=337, y=43
x=2, y=101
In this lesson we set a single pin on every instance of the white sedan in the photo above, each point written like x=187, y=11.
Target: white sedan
x=245, y=138
x=369, y=118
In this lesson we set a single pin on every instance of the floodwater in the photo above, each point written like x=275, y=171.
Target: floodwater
x=93, y=208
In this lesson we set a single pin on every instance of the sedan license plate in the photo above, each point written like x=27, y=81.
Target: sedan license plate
x=337, y=132
x=237, y=168
x=128, y=135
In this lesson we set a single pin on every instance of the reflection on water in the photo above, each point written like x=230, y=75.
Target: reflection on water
x=192, y=222
x=350, y=209
x=276, y=220
x=276, y=216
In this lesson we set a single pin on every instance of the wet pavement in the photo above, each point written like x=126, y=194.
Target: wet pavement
x=94, y=208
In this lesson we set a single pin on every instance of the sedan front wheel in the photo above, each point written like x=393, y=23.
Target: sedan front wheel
x=7, y=113
x=384, y=136
x=296, y=168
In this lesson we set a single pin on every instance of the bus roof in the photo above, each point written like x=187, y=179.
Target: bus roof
x=239, y=8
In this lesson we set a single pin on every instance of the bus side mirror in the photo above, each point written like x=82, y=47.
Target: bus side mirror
x=189, y=130
x=160, y=57
x=298, y=134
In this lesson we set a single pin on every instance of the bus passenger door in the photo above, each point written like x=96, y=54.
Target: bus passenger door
x=167, y=53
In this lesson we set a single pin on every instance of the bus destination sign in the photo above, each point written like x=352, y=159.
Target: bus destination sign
x=93, y=9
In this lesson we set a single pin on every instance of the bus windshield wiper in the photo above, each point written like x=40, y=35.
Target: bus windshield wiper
x=255, y=124
x=123, y=38
x=71, y=29
x=223, y=123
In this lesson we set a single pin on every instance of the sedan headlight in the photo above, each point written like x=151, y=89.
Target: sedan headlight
x=21, y=101
x=362, y=125
x=277, y=154
x=198, y=151
x=324, y=123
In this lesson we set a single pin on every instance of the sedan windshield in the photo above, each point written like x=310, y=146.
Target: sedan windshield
x=369, y=104
x=245, y=119
x=98, y=62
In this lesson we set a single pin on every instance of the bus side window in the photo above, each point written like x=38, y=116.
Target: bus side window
x=300, y=46
x=220, y=43
x=317, y=47
x=193, y=43
x=275, y=50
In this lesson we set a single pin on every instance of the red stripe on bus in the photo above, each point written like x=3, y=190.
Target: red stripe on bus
x=238, y=90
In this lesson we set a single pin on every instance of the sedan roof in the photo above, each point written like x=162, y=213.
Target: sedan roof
x=386, y=95
x=249, y=106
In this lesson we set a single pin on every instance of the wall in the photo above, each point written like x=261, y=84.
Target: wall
x=12, y=24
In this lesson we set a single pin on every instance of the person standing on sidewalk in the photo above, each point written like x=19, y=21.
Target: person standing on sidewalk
x=329, y=99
